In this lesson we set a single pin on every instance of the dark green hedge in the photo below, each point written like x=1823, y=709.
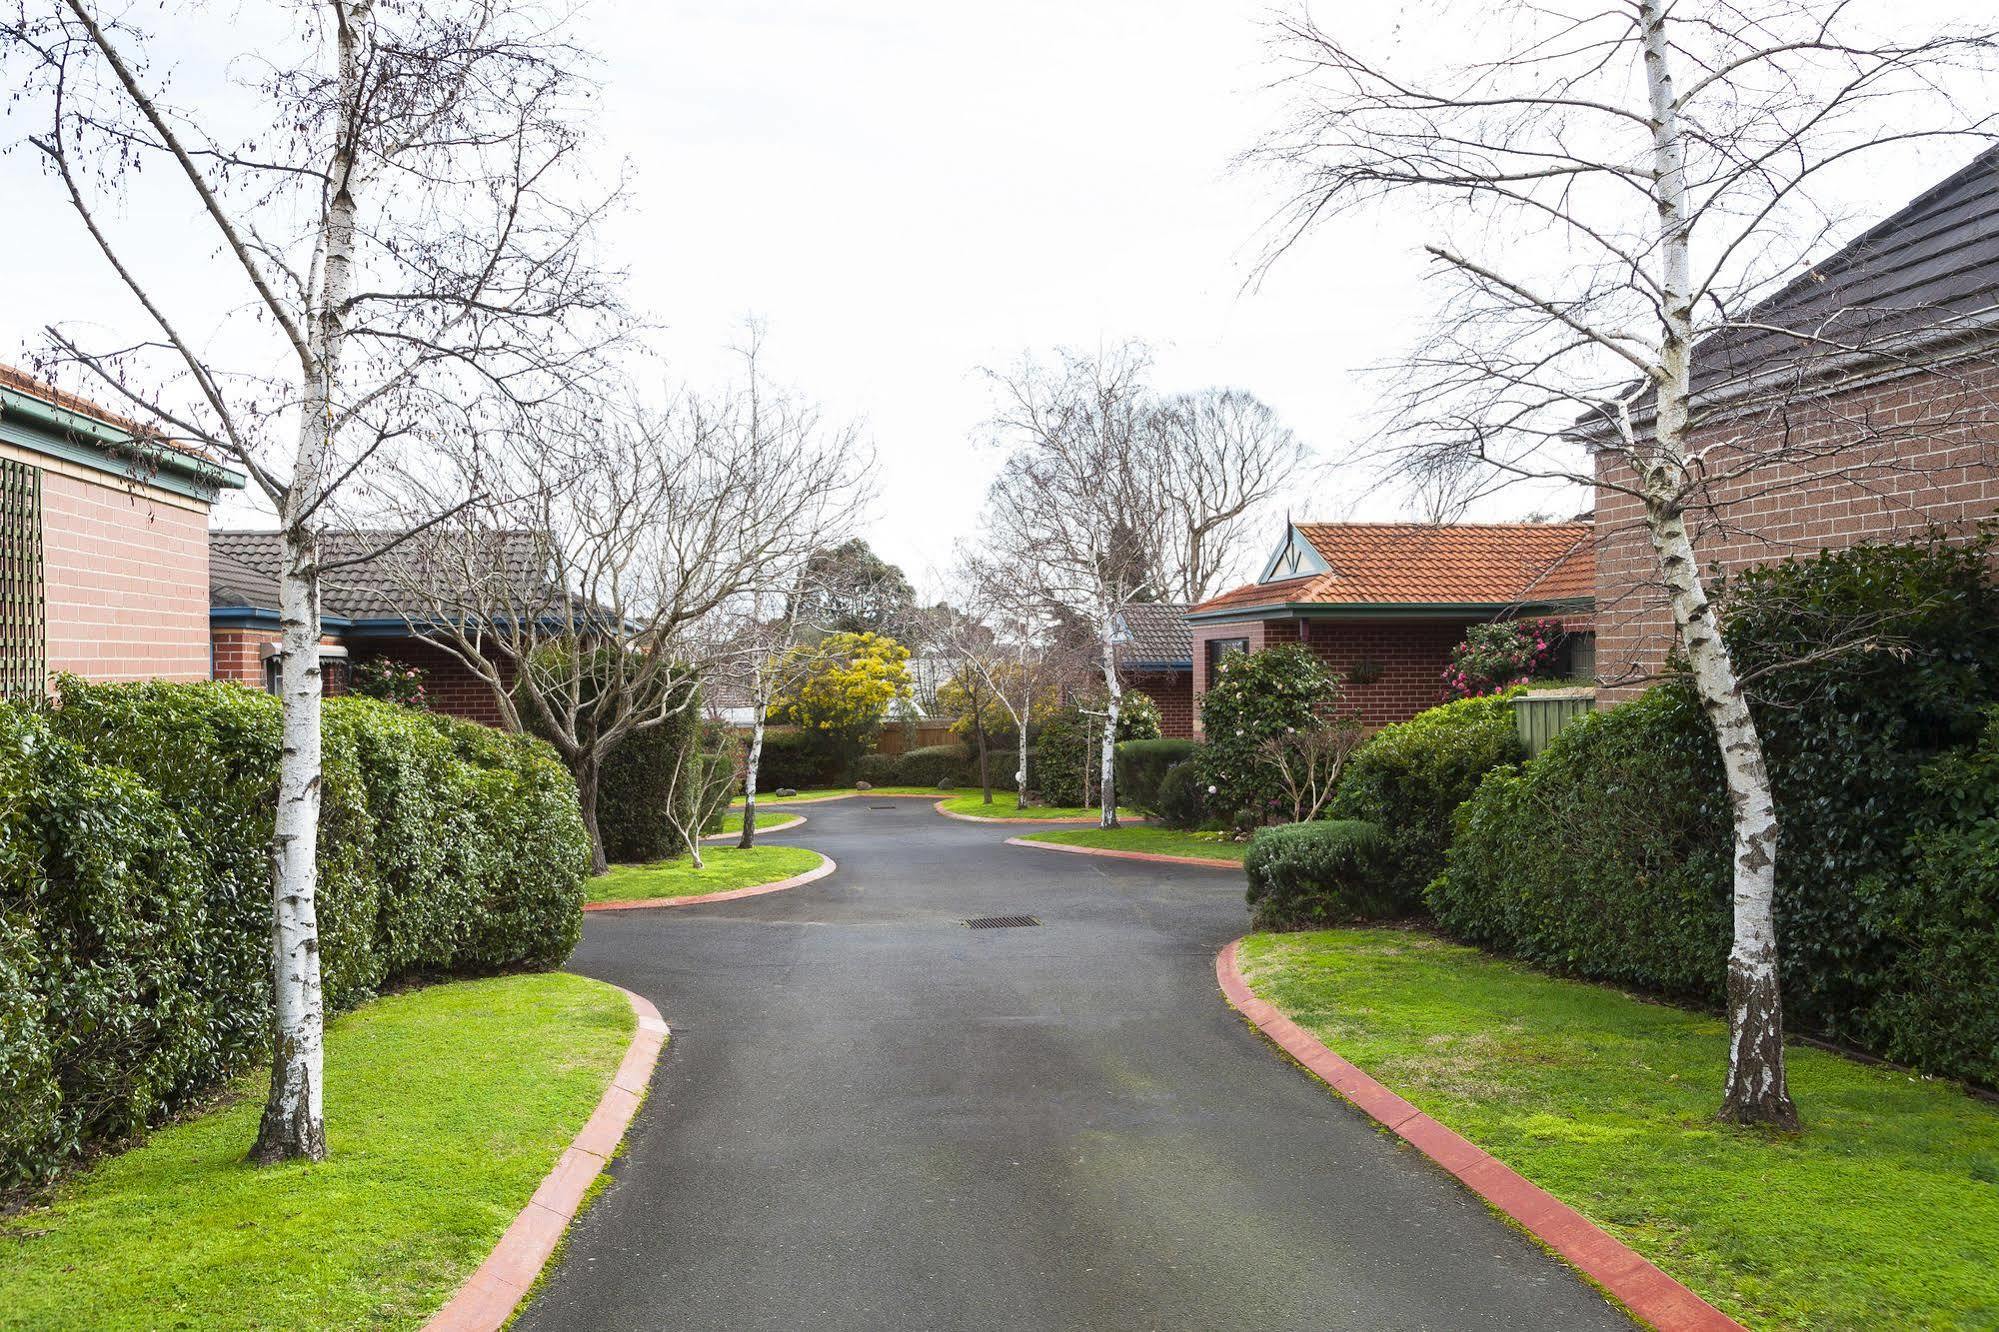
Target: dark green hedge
x=1307, y=875
x=1182, y=798
x=927, y=766
x=135, y=898
x=1609, y=855
x=798, y=761
x=1408, y=780
x=1143, y=764
x=634, y=785
x=1069, y=741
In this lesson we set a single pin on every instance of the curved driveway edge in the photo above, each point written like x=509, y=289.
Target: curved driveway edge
x=826, y=866
x=1155, y=857
x=1655, y=1298
x=489, y=1295
x=762, y=828
x=981, y=818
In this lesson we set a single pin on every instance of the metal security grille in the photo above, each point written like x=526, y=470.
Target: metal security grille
x=23, y=662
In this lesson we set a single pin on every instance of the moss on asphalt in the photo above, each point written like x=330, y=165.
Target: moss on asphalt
x=434, y=1140
x=1883, y=1212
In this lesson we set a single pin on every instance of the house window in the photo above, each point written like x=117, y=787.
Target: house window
x=1219, y=648
x=23, y=640
x=332, y=669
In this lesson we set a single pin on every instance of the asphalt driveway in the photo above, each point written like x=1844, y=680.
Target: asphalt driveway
x=871, y=1116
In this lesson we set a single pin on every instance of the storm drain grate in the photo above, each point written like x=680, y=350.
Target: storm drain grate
x=1000, y=922
x=881, y=806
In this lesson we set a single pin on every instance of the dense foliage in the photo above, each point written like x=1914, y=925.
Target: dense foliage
x=1308, y=875
x=927, y=766
x=1182, y=798
x=636, y=785
x=390, y=680
x=1609, y=855
x=1066, y=768
x=842, y=689
x=1499, y=655
x=1409, y=778
x=135, y=896
x=1254, y=698
x=1141, y=765
x=795, y=761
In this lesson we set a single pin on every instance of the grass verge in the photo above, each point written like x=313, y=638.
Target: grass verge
x=1152, y=841
x=838, y=793
x=774, y=821
x=1883, y=1212
x=723, y=868
x=974, y=803
x=434, y=1144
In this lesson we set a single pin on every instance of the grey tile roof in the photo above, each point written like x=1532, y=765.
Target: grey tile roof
x=1932, y=267
x=243, y=572
x=1156, y=633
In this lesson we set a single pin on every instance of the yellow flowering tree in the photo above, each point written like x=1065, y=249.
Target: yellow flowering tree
x=844, y=686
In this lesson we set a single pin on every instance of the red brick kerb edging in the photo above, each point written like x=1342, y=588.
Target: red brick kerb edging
x=487, y=1299
x=1156, y=857
x=786, y=826
x=1655, y=1298
x=825, y=867
x=981, y=818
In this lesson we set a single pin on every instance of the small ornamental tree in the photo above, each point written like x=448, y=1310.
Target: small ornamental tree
x=841, y=700
x=1254, y=699
x=1500, y=655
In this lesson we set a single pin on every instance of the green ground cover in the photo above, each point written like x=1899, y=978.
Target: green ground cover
x=1154, y=841
x=838, y=793
x=773, y=821
x=1003, y=807
x=1883, y=1212
x=723, y=868
x=434, y=1145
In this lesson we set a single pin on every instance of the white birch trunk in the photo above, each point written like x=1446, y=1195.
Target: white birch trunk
x=1020, y=771
x=1114, y=698
x=1756, y=1090
x=750, y=779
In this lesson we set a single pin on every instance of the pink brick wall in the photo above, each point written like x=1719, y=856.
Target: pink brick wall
x=126, y=583
x=1907, y=454
x=1406, y=658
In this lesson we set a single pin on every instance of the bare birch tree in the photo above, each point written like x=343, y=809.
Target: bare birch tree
x=1078, y=503
x=1014, y=655
x=402, y=219
x=1223, y=458
x=1610, y=186
x=590, y=556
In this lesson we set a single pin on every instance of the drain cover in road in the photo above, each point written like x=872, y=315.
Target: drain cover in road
x=1001, y=922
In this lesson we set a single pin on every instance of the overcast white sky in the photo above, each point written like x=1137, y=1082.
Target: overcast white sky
x=905, y=191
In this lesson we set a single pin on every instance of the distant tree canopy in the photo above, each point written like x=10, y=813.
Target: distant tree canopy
x=846, y=688
x=852, y=590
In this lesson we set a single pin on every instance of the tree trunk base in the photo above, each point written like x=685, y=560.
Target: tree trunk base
x=288, y=1135
x=1758, y=1091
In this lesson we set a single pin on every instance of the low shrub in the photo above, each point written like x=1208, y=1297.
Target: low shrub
x=926, y=766
x=1068, y=756
x=1143, y=764
x=1409, y=779
x=135, y=912
x=800, y=761
x=1308, y=875
x=1256, y=698
x=1182, y=799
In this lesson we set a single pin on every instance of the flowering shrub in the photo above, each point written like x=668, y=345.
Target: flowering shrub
x=389, y=680
x=1257, y=697
x=1498, y=656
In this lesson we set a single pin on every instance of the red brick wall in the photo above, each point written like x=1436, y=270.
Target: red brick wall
x=238, y=656
x=1903, y=455
x=1407, y=657
x=449, y=685
x=126, y=582
x=1173, y=693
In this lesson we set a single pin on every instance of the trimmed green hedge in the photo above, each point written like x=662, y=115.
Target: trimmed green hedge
x=1182, y=798
x=135, y=897
x=1408, y=779
x=795, y=760
x=1608, y=856
x=1143, y=764
x=928, y=766
x=1309, y=875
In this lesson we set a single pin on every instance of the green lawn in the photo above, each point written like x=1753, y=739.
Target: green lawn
x=1883, y=1212
x=435, y=1142
x=1003, y=808
x=839, y=792
x=773, y=821
x=723, y=868
x=1155, y=841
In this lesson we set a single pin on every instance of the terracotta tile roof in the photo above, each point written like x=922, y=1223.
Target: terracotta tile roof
x=19, y=380
x=1414, y=564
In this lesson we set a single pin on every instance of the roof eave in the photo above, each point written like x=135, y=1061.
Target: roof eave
x=1368, y=610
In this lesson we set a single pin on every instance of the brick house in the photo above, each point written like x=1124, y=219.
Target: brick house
x=1880, y=419
x=364, y=610
x=103, y=543
x=1384, y=603
x=1156, y=657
